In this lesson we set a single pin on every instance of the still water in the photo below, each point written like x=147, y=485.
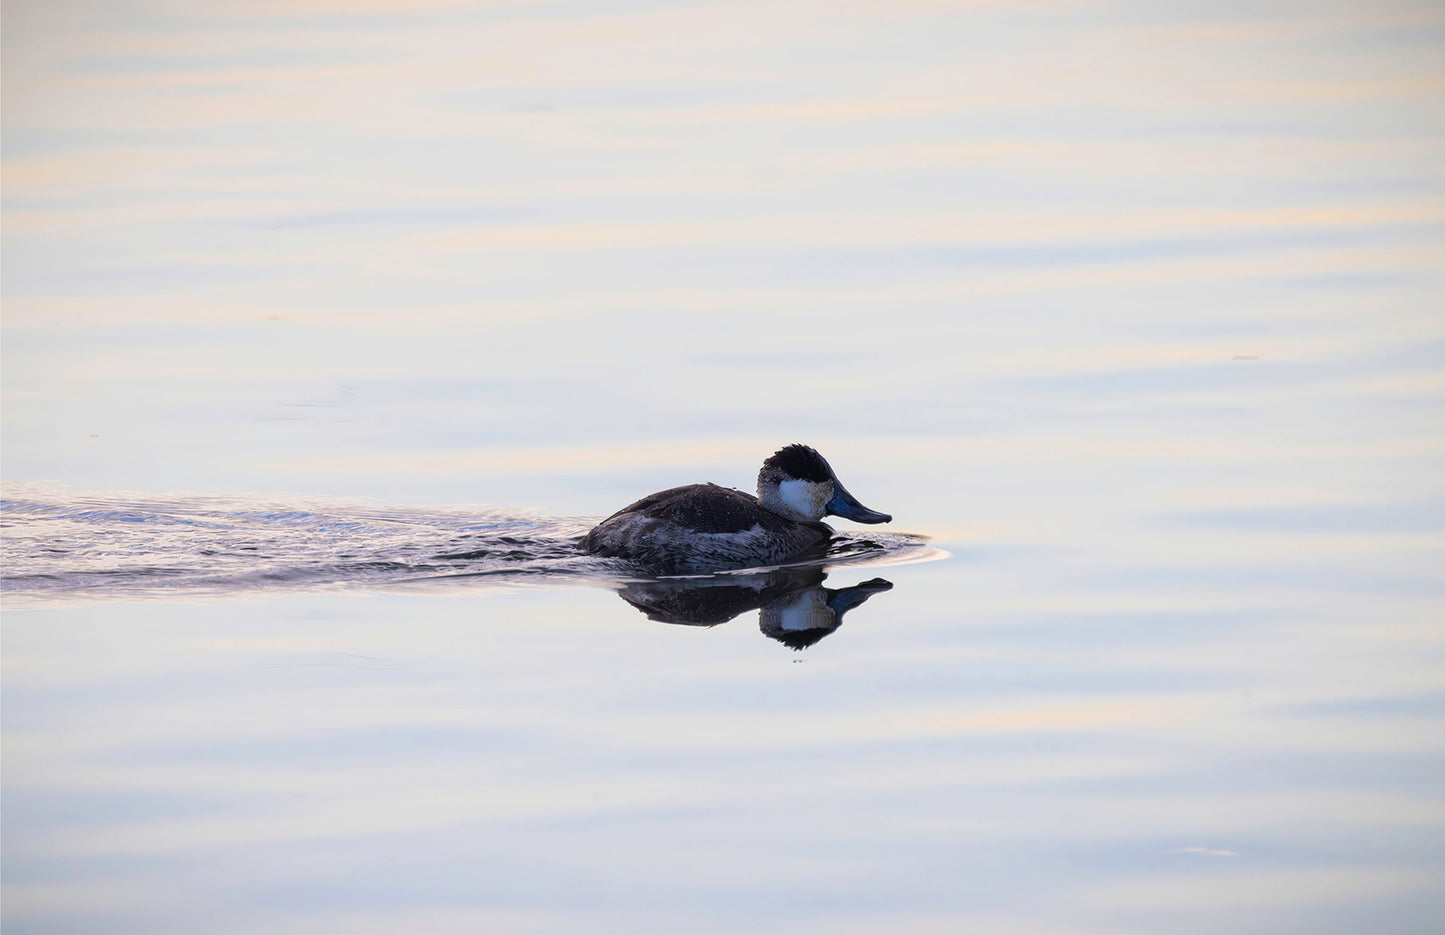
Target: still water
x=328, y=327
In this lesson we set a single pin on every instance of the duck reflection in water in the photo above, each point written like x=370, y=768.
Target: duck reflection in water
x=796, y=609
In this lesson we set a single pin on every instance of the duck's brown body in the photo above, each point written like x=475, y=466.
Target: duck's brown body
x=702, y=528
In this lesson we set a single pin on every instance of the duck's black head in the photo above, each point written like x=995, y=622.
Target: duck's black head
x=798, y=483
x=799, y=462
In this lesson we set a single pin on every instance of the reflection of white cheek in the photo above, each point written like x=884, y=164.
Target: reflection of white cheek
x=807, y=611
x=802, y=496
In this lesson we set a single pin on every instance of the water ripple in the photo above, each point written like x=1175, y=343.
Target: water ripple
x=98, y=547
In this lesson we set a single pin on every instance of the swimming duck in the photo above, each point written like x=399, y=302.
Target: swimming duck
x=704, y=528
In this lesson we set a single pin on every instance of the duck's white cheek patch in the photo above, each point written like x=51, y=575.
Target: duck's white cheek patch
x=805, y=497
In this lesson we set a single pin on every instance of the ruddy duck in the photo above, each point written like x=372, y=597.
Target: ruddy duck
x=703, y=528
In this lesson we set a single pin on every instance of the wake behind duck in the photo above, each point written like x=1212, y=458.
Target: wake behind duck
x=60, y=545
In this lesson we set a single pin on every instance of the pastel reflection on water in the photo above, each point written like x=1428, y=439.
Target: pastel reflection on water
x=329, y=327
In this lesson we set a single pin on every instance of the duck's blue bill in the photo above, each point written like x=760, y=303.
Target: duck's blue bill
x=845, y=505
x=845, y=599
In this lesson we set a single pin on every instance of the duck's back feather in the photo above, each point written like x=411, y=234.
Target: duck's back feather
x=700, y=528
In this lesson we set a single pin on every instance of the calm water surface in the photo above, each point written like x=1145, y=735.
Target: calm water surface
x=327, y=326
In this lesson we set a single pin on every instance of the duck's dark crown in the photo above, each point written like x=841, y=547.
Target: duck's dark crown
x=801, y=462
